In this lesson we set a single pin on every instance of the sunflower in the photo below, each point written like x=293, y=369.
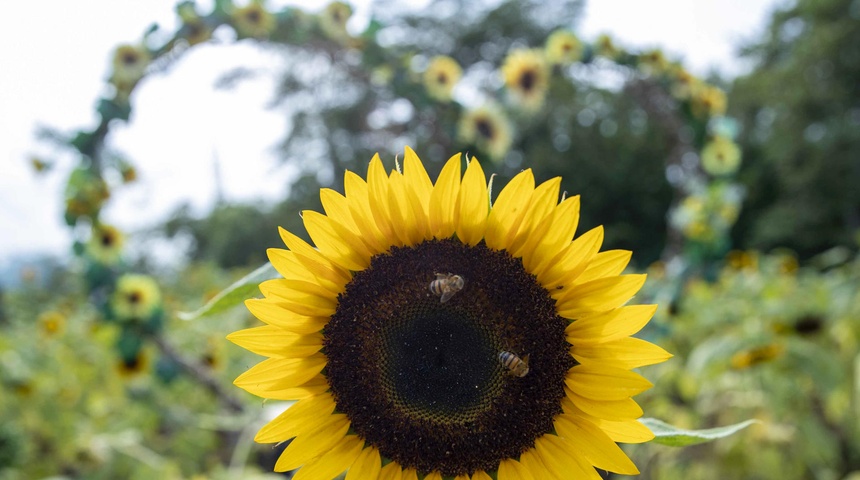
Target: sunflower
x=707, y=101
x=129, y=66
x=605, y=47
x=563, y=48
x=194, y=28
x=526, y=76
x=721, y=156
x=105, y=244
x=441, y=75
x=653, y=62
x=253, y=20
x=393, y=381
x=333, y=20
x=137, y=298
x=51, y=322
x=488, y=129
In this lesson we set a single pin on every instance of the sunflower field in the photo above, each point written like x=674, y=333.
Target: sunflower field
x=506, y=252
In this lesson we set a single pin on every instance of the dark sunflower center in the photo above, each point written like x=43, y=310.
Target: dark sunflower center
x=107, y=240
x=129, y=58
x=134, y=298
x=485, y=128
x=421, y=380
x=527, y=80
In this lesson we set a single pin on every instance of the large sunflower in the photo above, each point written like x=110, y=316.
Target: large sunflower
x=393, y=382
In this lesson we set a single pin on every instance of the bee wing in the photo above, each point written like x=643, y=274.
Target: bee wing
x=446, y=295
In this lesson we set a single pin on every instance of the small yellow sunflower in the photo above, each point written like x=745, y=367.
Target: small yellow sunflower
x=129, y=368
x=333, y=20
x=707, y=101
x=563, y=48
x=526, y=77
x=394, y=380
x=488, y=129
x=721, y=156
x=754, y=356
x=105, y=244
x=683, y=82
x=653, y=62
x=605, y=47
x=253, y=20
x=129, y=66
x=51, y=322
x=441, y=76
x=194, y=28
x=136, y=298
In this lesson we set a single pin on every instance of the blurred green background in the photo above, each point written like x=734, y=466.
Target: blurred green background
x=755, y=267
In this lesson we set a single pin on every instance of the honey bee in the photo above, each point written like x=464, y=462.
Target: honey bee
x=446, y=285
x=516, y=366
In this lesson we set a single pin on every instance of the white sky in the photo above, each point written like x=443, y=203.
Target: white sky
x=54, y=57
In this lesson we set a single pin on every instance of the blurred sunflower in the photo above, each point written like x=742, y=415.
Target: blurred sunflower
x=563, y=48
x=51, y=322
x=488, y=129
x=683, y=82
x=105, y=244
x=129, y=66
x=754, y=356
x=605, y=47
x=707, y=101
x=526, y=76
x=194, y=29
x=721, y=156
x=441, y=76
x=388, y=373
x=253, y=20
x=131, y=367
x=653, y=62
x=136, y=298
x=333, y=20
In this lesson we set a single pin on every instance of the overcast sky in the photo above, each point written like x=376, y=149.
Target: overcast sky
x=54, y=57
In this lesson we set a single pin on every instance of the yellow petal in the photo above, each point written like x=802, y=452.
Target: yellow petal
x=303, y=416
x=392, y=471
x=606, y=264
x=280, y=372
x=330, y=464
x=509, y=210
x=472, y=206
x=292, y=267
x=542, y=202
x=510, y=469
x=433, y=476
x=273, y=314
x=417, y=178
x=481, y=475
x=598, y=295
x=336, y=207
x=336, y=242
x=307, y=305
x=534, y=465
x=541, y=249
x=271, y=341
x=357, y=195
x=624, y=353
x=443, y=199
x=609, y=326
x=409, y=474
x=315, y=261
x=307, y=446
x=377, y=184
x=623, y=409
x=628, y=430
x=312, y=387
x=366, y=466
x=605, y=383
x=414, y=225
x=597, y=447
x=298, y=290
x=571, y=261
x=561, y=460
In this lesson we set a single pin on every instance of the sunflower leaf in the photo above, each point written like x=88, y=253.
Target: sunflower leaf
x=238, y=292
x=678, y=437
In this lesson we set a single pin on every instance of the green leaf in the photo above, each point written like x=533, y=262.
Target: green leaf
x=233, y=295
x=678, y=437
